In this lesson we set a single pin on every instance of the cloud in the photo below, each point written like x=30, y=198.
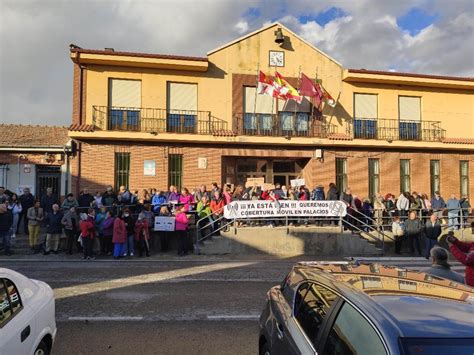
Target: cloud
x=36, y=72
x=242, y=26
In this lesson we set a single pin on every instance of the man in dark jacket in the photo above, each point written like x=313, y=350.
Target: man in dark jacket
x=6, y=220
x=48, y=200
x=413, y=228
x=333, y=194
x=109, y=198
x=54, y=229
x=27, y=201
x=85, y=199
x=432, y=232
x=440, y=266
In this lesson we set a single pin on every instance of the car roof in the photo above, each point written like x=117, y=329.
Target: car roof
x=411, y=303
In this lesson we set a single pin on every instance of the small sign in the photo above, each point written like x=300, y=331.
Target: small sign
x=27, y=168
x=297, y=182
x=164, y=224
x=251, y=182
x=202, y=163
x=149, y=168
x=268, y=187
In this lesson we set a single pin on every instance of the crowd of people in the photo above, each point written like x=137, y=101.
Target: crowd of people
x=120, y=224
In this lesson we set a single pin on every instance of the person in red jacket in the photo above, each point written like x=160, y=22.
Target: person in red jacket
x=87, y=234
x=119, y=237
x=142, y=235
x=181, y=228
x=217, y=209
x=464, y=253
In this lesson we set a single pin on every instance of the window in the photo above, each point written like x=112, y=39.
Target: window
x=341, y=173
x=182, y=108
x=374, y=177
x=312, y=303
x=365, y=116
x=122, y=170
x=124, y=104
x=405, y=175
x=409, y=113
x=434, y=176
x=353, y=334
x=10, y=302
x=464, y=176
x=258, y=111
x=175, y=170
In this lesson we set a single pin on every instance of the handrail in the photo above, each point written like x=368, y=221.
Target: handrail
x=199, y=228
x=156, y=120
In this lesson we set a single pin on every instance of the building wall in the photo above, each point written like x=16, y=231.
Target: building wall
x=98, y=167
x=11, y=179
x=220, y=88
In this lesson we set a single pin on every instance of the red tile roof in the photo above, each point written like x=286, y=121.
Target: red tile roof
x=82, y=127
x=16, y=135
x=339, y=137
x=223, y=133
x=458, y=140
x=413, y=75
x=135, y=54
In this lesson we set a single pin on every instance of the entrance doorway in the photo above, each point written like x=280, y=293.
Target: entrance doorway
x=274, y=171
x=48, y=176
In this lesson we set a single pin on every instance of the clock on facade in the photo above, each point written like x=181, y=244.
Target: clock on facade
x=277, y=58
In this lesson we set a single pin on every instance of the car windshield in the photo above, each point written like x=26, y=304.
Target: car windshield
x=436, y=346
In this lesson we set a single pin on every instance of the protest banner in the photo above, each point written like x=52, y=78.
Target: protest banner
x=164, y=224
x=297, y=182
x=251, y=182
x=262, y=209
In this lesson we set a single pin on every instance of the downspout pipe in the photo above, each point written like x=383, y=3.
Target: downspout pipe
x=79, y=145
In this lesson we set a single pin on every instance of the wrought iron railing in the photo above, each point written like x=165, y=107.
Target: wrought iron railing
x=392, y=129
x=155, y=120
x=283, y=124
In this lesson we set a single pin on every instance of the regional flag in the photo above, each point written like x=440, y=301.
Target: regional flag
x=265, y=85
x=328, y=98
x=311, y=89
x=285, y=90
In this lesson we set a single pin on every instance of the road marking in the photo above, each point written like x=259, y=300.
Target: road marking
x=106, y=319
x=234, y=317
x=172, y=281
x=106, y=285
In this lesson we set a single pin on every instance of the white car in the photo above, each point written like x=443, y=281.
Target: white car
x=27, y=315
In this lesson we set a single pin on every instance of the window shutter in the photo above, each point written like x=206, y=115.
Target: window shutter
x=409, y=108
x=125, y=93
x=365, y=106
x=265, y=103
x=182, y=97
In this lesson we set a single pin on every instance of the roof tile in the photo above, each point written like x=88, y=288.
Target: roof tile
x=16, y=135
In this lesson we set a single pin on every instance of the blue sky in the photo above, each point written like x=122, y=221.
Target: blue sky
x=416, y=19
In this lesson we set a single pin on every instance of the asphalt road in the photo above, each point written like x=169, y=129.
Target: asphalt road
x=195, y=305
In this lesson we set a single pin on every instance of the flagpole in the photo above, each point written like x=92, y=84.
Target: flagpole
x=298, y=83
x=256, y=89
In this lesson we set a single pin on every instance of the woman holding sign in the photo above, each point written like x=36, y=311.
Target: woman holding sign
x=181, y=229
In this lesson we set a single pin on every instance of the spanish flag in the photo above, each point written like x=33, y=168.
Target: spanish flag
x=285, y=90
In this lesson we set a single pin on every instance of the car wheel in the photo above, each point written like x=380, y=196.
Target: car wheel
x=42, y=349
x=265, y=349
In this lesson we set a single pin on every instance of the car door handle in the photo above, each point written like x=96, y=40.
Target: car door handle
x=25, y=333
x=279, y=331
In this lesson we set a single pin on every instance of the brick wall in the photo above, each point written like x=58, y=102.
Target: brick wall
x=31, y=158
x=77, y=118
x=97, y=163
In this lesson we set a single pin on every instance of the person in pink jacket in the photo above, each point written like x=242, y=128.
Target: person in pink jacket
x=186, y=199
x=119, y=237
x=181, y=228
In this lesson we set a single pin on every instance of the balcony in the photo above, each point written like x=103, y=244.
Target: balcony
x=155, y=120
x=283, y=124
x=392, y=129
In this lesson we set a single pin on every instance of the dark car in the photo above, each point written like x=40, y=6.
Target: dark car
x=344, y=308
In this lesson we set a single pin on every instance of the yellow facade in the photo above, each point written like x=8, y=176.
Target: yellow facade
x=449, y=101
